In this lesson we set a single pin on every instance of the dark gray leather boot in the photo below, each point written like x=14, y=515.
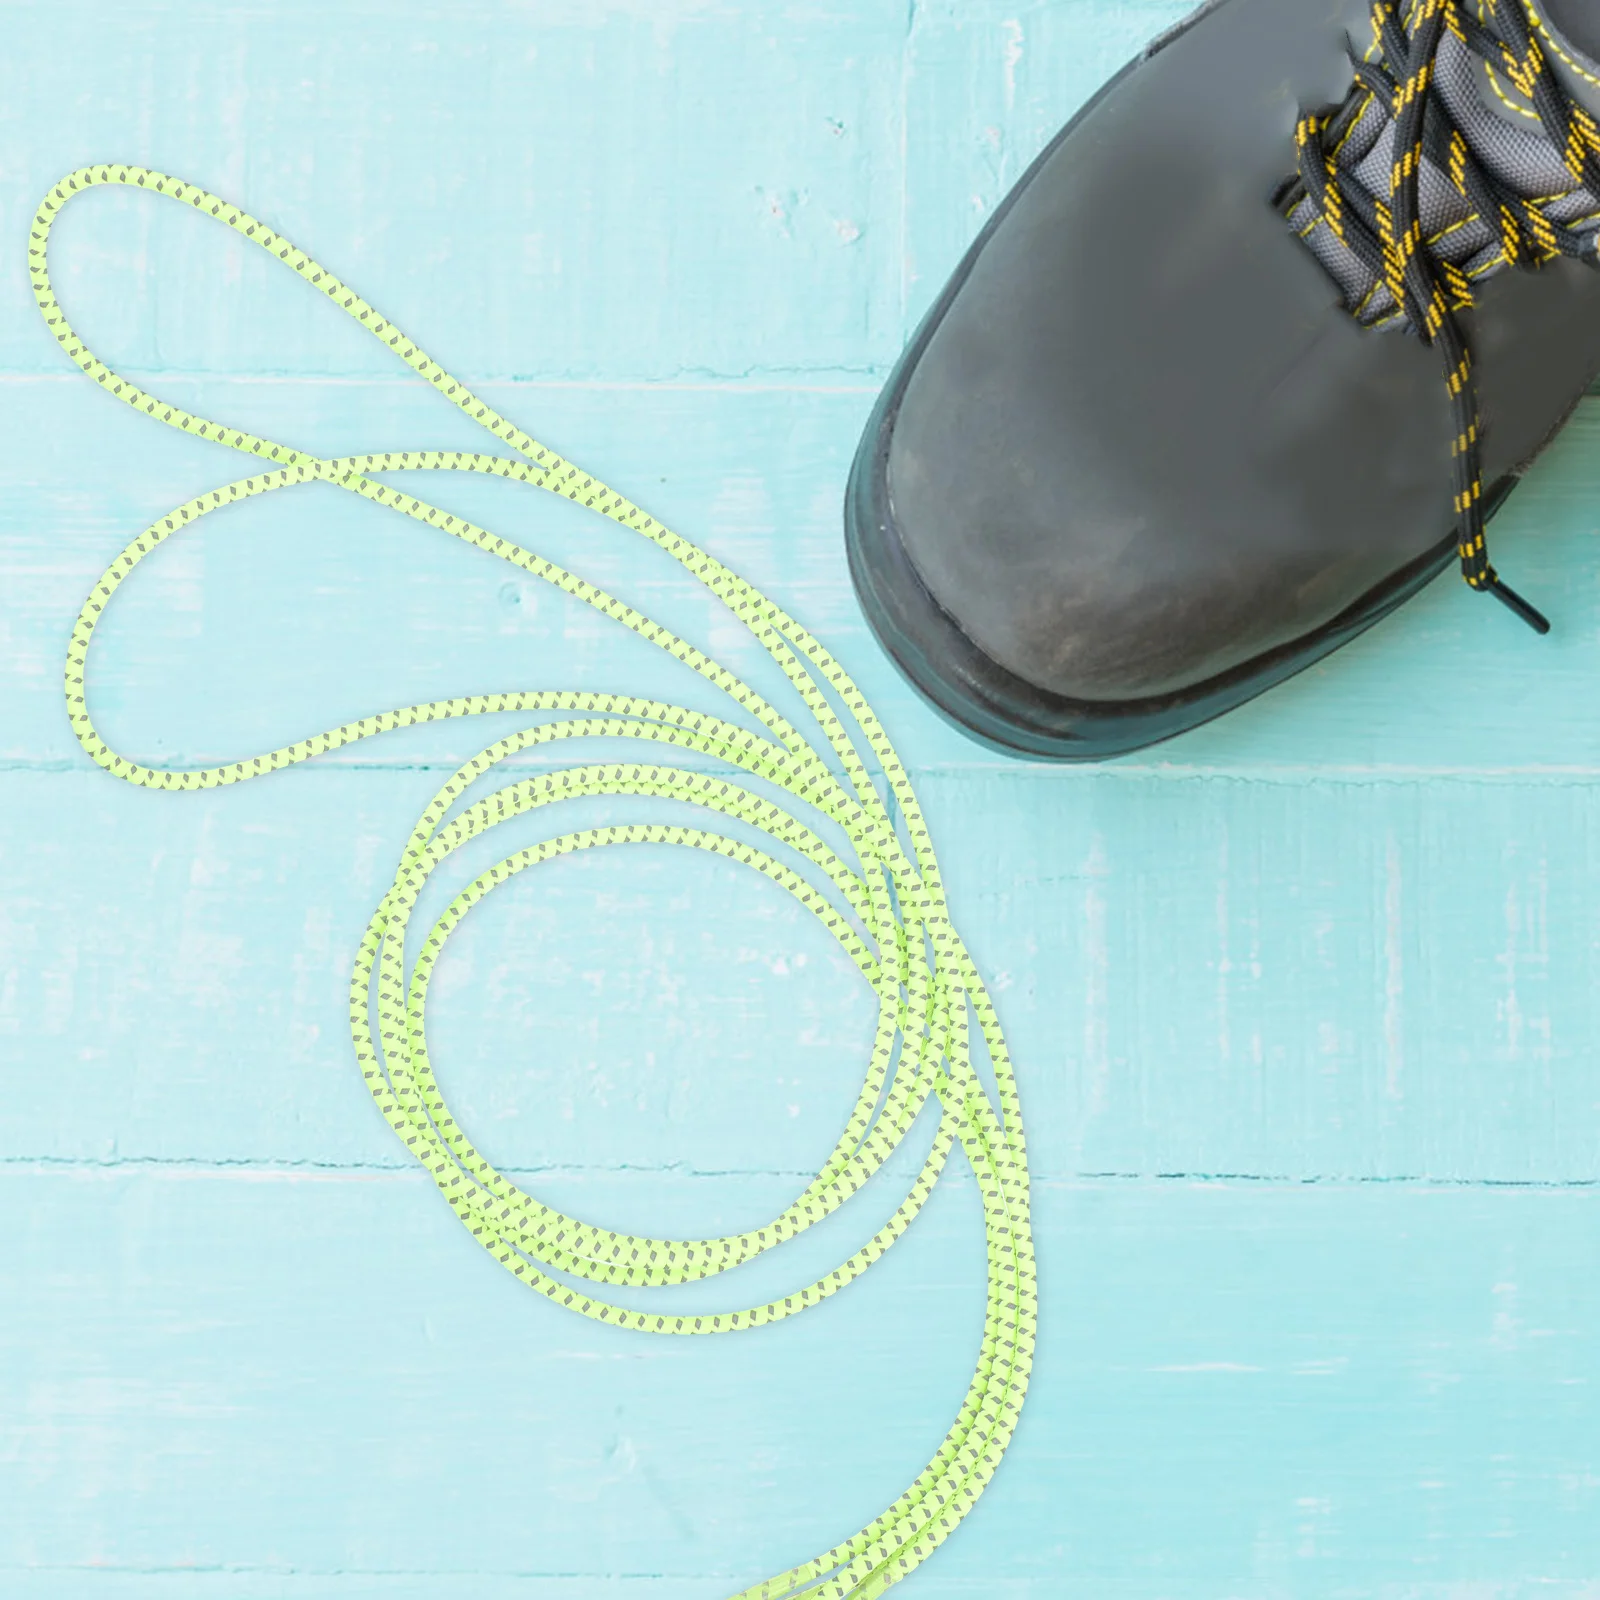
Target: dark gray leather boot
x=1239, y=365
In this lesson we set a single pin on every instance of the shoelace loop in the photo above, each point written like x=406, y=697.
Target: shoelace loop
x=1413, y=278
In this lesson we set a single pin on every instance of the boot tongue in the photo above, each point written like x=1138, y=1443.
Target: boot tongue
x=1504, y=133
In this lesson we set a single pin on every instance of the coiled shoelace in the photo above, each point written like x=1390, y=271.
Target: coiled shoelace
x=1414, y=276
x=887, y=910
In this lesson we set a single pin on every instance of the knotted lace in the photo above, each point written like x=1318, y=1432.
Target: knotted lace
x=1463, y=199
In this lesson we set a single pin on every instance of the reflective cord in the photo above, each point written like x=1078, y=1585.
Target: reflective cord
x=887, y=910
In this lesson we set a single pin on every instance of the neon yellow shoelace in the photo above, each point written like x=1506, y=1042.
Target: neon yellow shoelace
x=887, y=910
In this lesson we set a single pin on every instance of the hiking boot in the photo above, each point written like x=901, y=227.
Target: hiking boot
x=1251, y=353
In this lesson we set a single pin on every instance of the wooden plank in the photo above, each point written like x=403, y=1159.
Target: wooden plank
x=646, y=1008
x=1245, y=1389
x=588, y=181
x=1307, y=980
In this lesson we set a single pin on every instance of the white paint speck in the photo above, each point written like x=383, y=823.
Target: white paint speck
x=1209, y=1366
x=1010, y=56
x=1393, y=972
x=1224, y=958
x=1096, y=981
x=1511, y=1006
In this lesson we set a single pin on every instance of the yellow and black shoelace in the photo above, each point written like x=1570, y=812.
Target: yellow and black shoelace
x=1426, y=289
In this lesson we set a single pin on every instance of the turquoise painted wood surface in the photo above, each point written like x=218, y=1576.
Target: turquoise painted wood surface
x=1303, y=1004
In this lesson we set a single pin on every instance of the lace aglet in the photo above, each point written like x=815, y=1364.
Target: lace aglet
x=1513, y=601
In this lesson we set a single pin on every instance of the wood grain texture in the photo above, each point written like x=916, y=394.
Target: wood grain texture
x=1303, y=1004
x=1246, y=1389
